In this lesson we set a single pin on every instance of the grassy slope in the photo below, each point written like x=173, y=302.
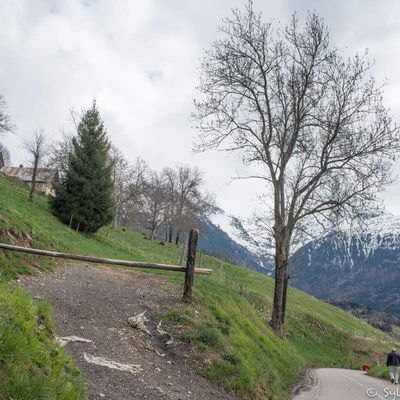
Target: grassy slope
x=379, y=371
x=227, y=323
x=32, y=366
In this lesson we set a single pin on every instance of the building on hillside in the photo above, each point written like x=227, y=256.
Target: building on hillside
x=46, y=178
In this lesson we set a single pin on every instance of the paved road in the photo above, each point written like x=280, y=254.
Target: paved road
x=342, y=384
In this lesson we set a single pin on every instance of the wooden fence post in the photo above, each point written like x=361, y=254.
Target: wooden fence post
x=190, y=264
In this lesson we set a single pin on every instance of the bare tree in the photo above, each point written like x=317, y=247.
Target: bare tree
x=128, y=182
x=121, y=175
x=59, y=153
x=186, y=202
x=5, y=122
x=170, y=211
x=154, y=197
x=311, y=122
x=132, y=205
x=195, y=209
x=37, y=148
x=188, y=192
x=5, y=127
x=60, y=150
x=4, y=156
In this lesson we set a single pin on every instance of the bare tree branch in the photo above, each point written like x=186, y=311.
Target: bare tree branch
x=311, y=121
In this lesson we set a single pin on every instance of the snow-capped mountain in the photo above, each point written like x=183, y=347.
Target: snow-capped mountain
x=360, y=264
x=225, y=236
x=234, y=227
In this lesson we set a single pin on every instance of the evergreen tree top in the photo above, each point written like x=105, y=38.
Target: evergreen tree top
x=85, y=194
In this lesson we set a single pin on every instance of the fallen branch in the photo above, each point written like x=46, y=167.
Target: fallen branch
x=63, y=341
x=133, y=369
x=138, y=322
x=170, y=339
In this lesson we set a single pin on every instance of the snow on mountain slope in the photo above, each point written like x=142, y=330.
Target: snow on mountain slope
x=358, y=263
x=375, y=231
x=226, y=237
x=233, y=226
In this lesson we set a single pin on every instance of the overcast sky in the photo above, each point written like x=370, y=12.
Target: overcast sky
x=139, y=60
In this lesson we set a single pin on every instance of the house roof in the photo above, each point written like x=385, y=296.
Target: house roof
x=46, y=175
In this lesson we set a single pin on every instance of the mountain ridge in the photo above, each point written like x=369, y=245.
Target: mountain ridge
x=357, y=263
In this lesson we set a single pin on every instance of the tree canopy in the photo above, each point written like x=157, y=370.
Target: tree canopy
x=84, y=195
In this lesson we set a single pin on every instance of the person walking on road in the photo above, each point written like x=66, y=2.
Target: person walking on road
x=393, y=362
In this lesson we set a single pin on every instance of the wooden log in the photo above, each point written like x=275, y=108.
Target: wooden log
x=135, y=264
x=190, y=264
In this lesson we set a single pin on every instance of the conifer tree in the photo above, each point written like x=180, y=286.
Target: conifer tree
x=83, y=197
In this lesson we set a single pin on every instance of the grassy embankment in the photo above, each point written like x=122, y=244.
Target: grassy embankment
x=379, y=371
x=227, y=324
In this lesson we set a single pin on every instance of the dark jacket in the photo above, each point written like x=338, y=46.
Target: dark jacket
x=393, y=359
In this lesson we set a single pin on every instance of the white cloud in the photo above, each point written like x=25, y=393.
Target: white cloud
x=140, y=59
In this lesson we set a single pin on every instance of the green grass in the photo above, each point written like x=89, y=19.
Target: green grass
x=227, y=322
x=379, y=371
x=32, y=366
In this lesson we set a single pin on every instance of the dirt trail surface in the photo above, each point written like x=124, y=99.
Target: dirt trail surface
x=342, y=384
x=94, y=303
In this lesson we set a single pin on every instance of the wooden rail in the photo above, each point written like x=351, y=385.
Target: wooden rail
x=135, y=264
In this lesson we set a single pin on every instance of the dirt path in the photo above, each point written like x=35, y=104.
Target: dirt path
x=94, y=303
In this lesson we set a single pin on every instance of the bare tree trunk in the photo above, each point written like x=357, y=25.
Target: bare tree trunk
x=285, y=287
x=153, y=233
x=178, y=234
x=33, y=183
x=114, y=222
x=170, y=232
x=281, y=263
